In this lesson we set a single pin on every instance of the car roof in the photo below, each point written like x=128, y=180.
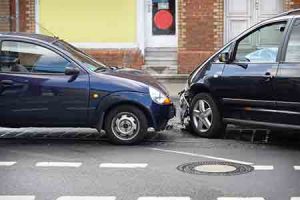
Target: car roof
x=288, y=14
x=40, y=37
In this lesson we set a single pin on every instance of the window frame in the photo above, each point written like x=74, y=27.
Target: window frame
x=279, y=55
x=286, y=43
x=8, y=39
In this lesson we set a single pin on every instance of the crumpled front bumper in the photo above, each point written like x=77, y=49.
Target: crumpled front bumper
x=184, y=108
x=161, y=114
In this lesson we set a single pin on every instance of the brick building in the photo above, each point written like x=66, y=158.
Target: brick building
x=161, y=36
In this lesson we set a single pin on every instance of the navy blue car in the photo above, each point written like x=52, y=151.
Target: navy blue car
x=47, y=82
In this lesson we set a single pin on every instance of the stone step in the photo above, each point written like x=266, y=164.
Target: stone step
x=160, y=49
x=162, y=54
x=162, y=62
x=153, y=58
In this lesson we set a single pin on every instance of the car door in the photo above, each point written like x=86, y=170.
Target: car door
x=34, y=90
x=248, y=79
x=287, y=81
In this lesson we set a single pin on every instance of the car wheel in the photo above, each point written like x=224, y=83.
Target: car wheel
x=126, y=125
x=206, y=120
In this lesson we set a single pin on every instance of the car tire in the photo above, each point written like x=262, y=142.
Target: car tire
x=206, y=121
x=126, y=125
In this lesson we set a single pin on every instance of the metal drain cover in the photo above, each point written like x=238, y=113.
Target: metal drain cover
x=215, y=168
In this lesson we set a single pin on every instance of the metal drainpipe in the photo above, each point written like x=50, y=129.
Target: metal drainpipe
x=17, y=15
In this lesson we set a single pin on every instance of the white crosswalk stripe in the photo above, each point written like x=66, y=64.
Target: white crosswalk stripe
x=240, y=198
x=123, y=165
x=87, y=198
x=23, y=197
x=58, y=164
x=295, y=198
x=164, y=198
x=297, y=168
x=7, y=163
x=263, y=167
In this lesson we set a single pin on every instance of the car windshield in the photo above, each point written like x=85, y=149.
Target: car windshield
x=84, y=58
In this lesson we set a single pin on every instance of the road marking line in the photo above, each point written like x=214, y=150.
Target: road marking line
x=297, y=168
x=27, y=197
x=86, y=198
x=295, y=198
x=203, y=156
x=241, y=198
x=263, y=167
x=164, y=198
x=7, y=163
x=123, y=165
x=58, y=164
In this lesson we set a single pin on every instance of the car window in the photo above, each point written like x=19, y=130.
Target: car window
x=293, y=48
x=262, y=45
x=27, y=57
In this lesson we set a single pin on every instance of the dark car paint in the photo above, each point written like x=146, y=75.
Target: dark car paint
x=59, y=100
x=252, y=94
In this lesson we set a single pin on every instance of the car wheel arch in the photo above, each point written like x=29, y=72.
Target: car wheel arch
x=197, y=89
x=201, y=88
x=123, y=103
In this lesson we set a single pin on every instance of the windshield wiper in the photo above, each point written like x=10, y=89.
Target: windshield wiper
x=100, y=69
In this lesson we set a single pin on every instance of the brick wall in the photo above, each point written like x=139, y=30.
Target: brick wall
x=27, y=16
x=296, y=4
x=123, y=57
x=5, y=24
x=201, y=27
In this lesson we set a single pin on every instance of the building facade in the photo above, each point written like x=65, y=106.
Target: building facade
x=164, y=37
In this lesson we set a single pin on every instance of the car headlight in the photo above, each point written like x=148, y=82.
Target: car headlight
x=158, y=97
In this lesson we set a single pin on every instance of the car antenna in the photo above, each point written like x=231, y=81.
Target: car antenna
x=46, y=30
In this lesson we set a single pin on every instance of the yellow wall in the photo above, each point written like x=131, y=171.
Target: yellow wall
x=111, y=21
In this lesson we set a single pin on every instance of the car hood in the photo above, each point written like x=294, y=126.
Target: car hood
x=136, y=75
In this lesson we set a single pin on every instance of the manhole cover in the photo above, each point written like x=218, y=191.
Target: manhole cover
x=215, y=168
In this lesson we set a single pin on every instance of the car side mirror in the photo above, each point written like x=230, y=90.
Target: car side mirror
x=224, y=57
x=72, y=71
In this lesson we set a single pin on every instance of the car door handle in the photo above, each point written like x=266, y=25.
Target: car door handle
x=268, y=76
x=7, y=82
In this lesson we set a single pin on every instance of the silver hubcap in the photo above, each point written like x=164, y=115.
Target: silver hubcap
x=202, y=116
x=125, y=126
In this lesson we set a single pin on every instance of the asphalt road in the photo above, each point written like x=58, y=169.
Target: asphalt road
x=77, y=164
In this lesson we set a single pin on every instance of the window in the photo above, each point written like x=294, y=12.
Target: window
x=262, y=45
x=293, y=48
x=26, y=57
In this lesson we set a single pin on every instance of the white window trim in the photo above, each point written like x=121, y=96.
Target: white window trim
x=140, y=32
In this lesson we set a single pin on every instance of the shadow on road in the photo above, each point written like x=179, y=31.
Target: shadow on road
x=27, y=136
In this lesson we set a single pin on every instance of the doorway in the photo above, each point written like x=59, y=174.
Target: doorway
x=161, y=23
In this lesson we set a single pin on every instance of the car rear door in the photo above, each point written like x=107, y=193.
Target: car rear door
x=248, y=92
x=287, y=81
x=34, y=91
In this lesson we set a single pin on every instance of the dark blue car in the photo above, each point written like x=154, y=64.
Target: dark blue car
x=47, y=82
